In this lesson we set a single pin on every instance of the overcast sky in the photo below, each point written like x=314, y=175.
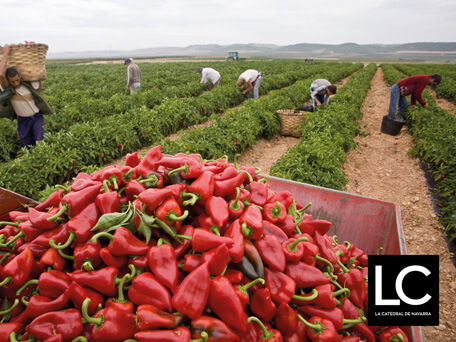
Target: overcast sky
x=87, y=25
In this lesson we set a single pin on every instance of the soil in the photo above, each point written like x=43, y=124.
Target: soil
x=381, y=168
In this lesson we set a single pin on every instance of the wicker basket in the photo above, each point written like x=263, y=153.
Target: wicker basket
x=289, y=119
x=29, y=60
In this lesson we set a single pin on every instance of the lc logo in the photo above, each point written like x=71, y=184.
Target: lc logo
x=379, y=300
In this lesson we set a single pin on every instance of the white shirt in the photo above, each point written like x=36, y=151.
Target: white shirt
x=210, y=74
x=249, y=75
x=23, y=103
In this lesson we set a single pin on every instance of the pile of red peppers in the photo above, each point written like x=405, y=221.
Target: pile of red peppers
x=176, y=248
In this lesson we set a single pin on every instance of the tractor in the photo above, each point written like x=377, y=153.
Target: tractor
x=234, y=56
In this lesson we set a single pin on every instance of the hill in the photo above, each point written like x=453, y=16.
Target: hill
x=421, y=50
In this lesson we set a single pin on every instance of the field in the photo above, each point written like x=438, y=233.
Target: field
x=97, y=123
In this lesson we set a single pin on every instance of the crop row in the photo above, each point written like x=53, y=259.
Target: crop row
x=446, y=88
x=241, y=128
x=327, y=135
x=86, y=93
x=62, y=155
x=434, y=132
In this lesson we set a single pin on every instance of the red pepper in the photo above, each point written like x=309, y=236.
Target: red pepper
x=191, y=262
x=286, y=319
x=87, y=255
x=322, y=295
x=217, y=209
x=282, y=286
x=189, y=168
x=7, y=328
x=319, y=329
x=191, y=295
x=203, y=240
x=351, y=312
x=110, y=324
x=218, y=259
x=180, y=334
x=287, y=226
x=224, y=302
x=148, y=162
x=18, y=269
x=310, y=253
x=262, y=305
x=393, y=334
x=181, y=248
x=108, y=202
x=259, y=192
x=171, y=213
x=148, y=317
x=271, y=335
x=139, y=261
x=181, y=195
x=133, y=188
x=124, y=242
x=252, y=223
x=336, y=315
x=146, y=289
x=78, y=294
x=132, y=159
x=274, y=212
x=272, y=229
x=215, y=329
x=102, y=280
x=228, y=173
x=53, y=200
x=234, y=276
x=52, y=258
x=235, y=206
x=83, y=180
x=271, y=252
x=113, y=176
x=153, y=197
x=325, y=247
x=118, y=261
x=306, y=275
x=82, y=223
x=237, y=249
x=242, y=290
x=285, y=197
x=67, y=323
x=293, y=249
x=360, y=255
x=228, y=186
x=53, y=283
x=163, y=264
x=39, y=219
x=203, y=186
x=321, y=226
x=121, y=302
x=39, y=305
x=354, y=281
x=75, y=201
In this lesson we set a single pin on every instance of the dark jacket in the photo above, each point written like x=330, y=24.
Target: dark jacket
x=6, y=110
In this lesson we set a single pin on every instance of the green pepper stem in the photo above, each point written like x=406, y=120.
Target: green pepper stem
x=316, y=327
x=27, y=284
x=127, y=175
x=15, y=304
x=102, y=234
x=293, y=247
x=7, y=223
x=5, y=281
x=92, y=320
x=183, y=168
x=312, y=296
x=204, y=337
x=162, y=241
x=342, y=266
x=62, y=210
x=348, y=323
x=126, y=278
x=14, y=239
x=65, y=256
x=4, y=257
x=193, y=198
x=245, y=287
x=153, y=179
x=13, y=338
x=327, y=262
x=235, y=204
x=341, y=291
x=66, y=244
x=172, y=216
x=267, y=334
x=185, y=237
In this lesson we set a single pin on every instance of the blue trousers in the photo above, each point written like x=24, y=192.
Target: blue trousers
x=397, y=100
x=30, y=129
